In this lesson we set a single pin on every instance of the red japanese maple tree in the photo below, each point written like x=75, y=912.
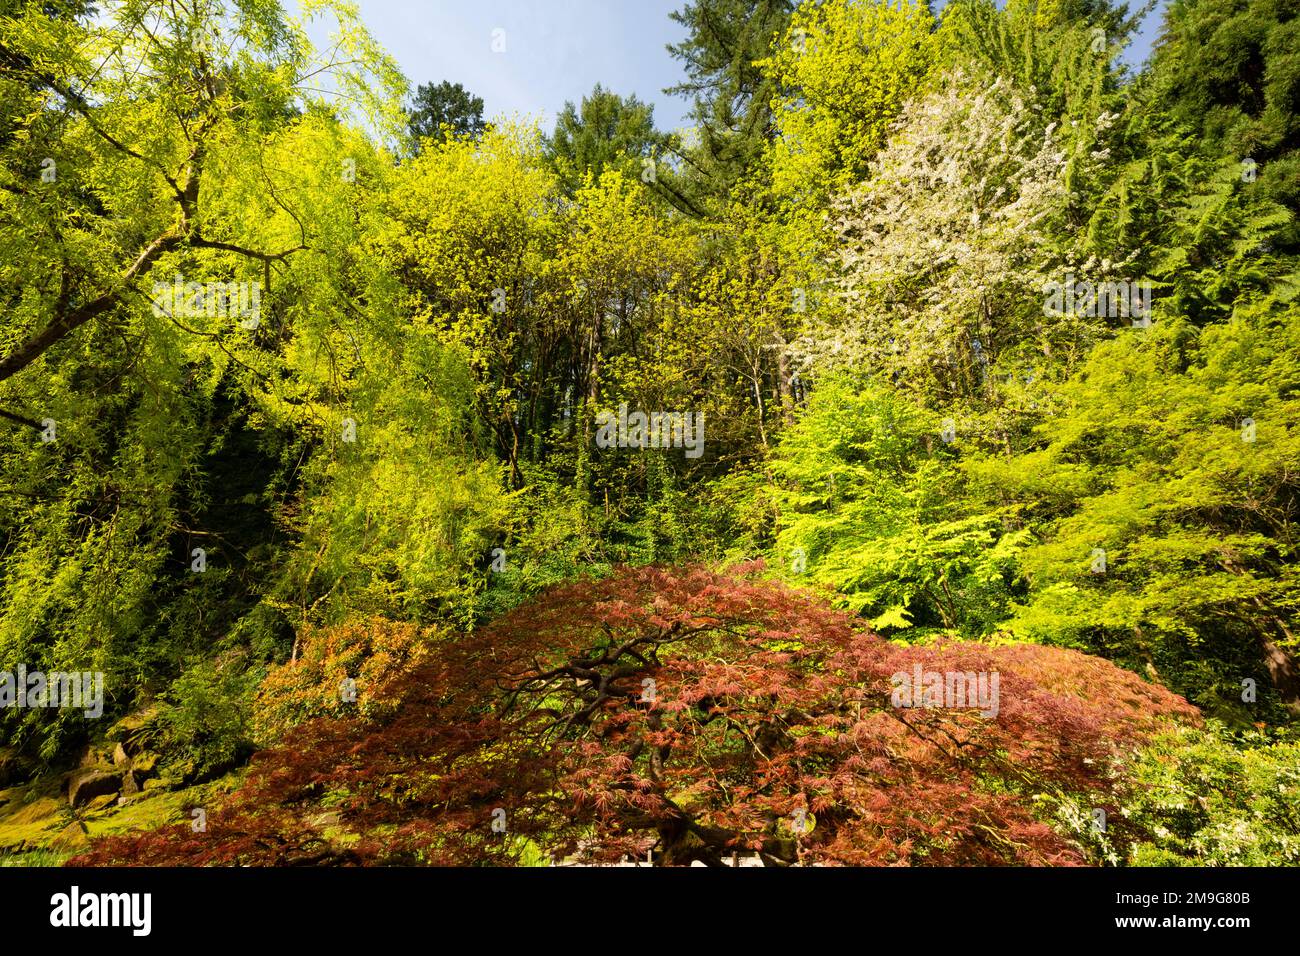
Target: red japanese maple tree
x=693, y=713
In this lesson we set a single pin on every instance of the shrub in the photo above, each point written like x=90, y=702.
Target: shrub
x=205, y=717
x=368, y=652
x=1201, y=801
x=697, y=712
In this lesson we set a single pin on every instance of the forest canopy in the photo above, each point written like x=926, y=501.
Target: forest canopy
x=609, y=476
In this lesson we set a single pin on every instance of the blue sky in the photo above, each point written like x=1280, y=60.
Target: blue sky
x=555, y=50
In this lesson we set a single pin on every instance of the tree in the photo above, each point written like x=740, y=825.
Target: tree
x=944, y=253
x=1164, y=490
x=136, y=159
x=1063, y=50
x=472, y=228
x=731, y=95
x=604, y=131
x=447, y=109
x=842, y=71
x=874, y=506
x=1227, y=71
x=158, y=131
x=1203, y=189
x=693, y=714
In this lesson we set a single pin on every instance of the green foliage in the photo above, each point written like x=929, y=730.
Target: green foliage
x=870, y=505
x=1228, y=72
x=1173, y=451
x=604, y=131
x=1063, y=51
x=447, y=109
x=1209, y=798
x=205, y=720
x=842, y=72
x=1203, y=193
x=177, y=429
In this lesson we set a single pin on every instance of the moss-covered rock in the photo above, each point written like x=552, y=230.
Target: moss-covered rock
x=136, y=731
x=71, y=839
x=83, y=785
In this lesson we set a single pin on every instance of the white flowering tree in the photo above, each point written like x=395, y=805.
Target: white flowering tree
x=944, y=251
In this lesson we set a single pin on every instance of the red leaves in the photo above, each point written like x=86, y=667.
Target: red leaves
x=697, y=711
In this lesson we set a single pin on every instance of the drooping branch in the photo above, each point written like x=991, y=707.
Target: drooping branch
x=67, y=322
x=267, y=257
x=21, y=420
x=18, y=62
x=182, y=234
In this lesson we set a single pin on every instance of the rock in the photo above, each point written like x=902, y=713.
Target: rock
x=133, y=730
x=324, y=820
x=91, y=783
x=40, y=809
x=129, y=784
x=119, y=756
x=165, y=781
x=31, y=824
x=101, y=802
x=144, y=762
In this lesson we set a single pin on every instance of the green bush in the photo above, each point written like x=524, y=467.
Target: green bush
x=1208, y=798
x=206, y=716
